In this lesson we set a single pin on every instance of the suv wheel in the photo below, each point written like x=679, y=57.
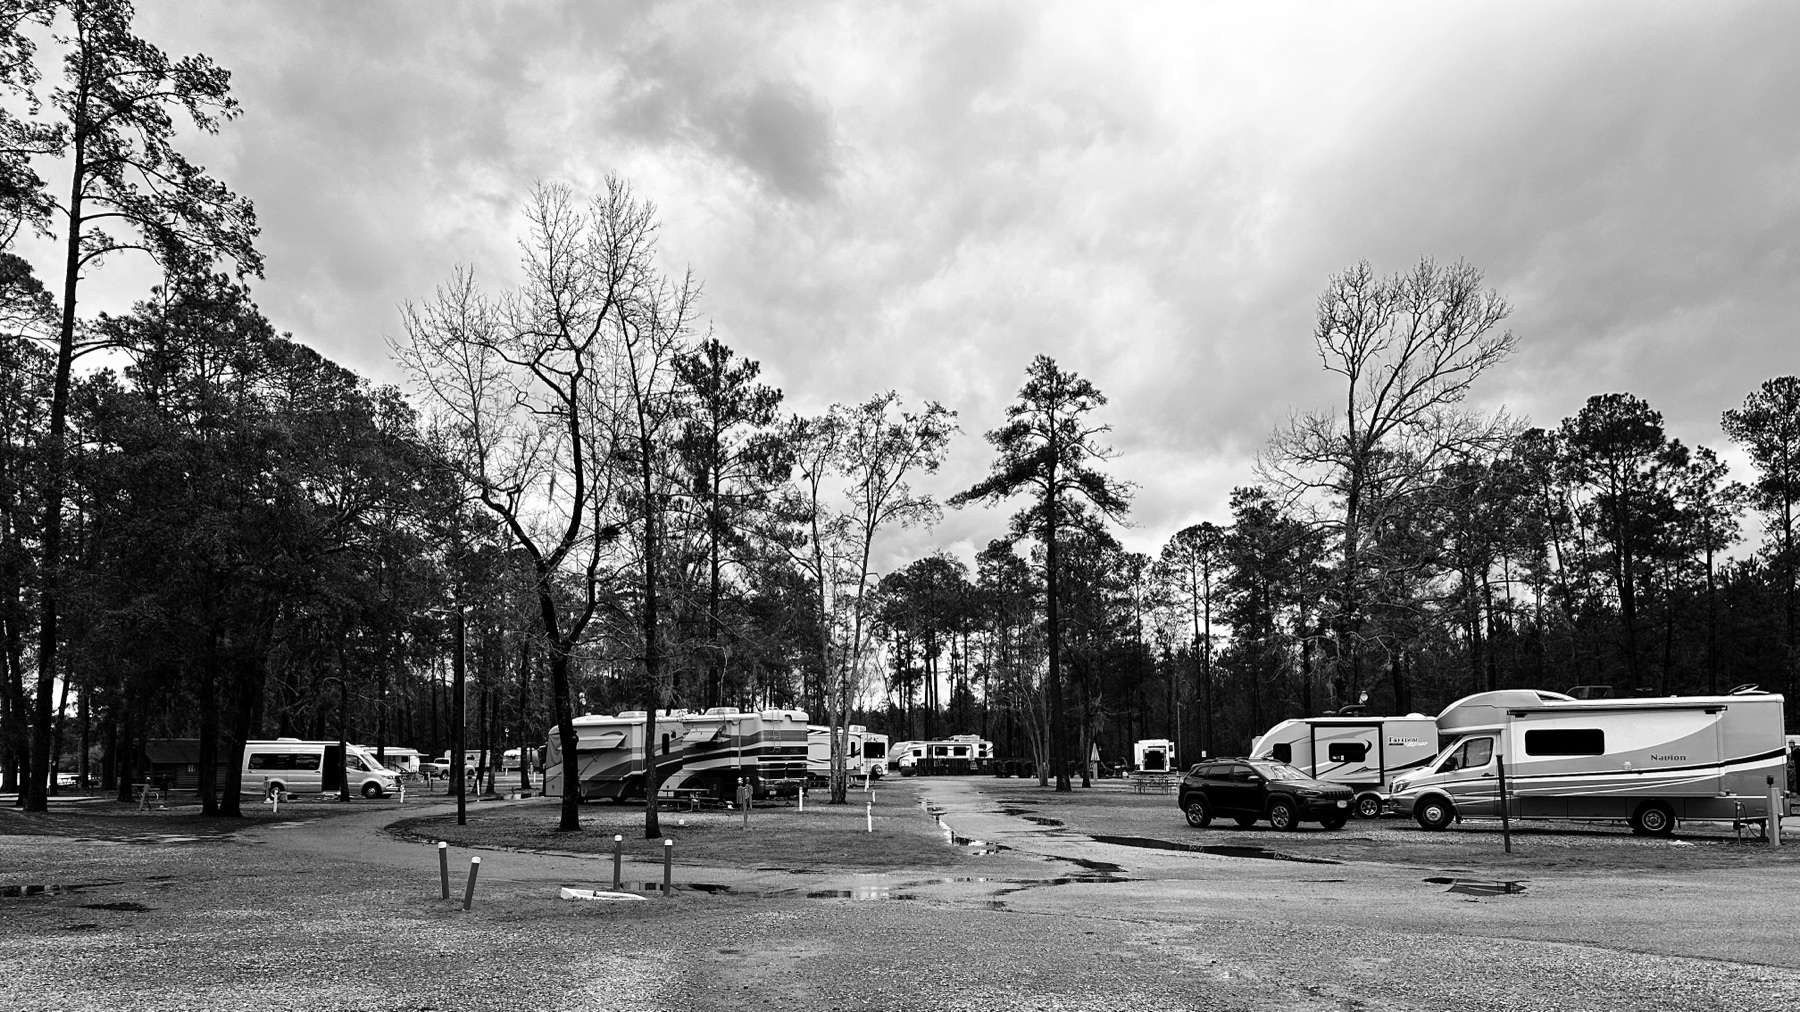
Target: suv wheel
x=1282, y=815
x=1198, y=815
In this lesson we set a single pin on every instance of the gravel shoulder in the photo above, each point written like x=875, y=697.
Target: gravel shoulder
x=322, y=910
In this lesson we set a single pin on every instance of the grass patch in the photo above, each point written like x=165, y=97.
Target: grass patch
x=822, y=838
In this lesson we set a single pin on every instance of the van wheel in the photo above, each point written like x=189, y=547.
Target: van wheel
x=1433, y=813
x=1368, y=807
x=371, y=791
x=273, y=790
x=1198, y=815
x=1282, y=815
x=1653, y=819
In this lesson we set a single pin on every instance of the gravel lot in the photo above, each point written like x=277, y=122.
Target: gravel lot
x=323, y=910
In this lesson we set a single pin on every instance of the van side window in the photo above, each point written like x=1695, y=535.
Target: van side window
x=1345, y=752
x=1566, y=741
x=1283, y=753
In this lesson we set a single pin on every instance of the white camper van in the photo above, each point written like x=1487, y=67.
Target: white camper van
x=1649, y=761
x=1153, y=755
x=313, y=767
x=1364, y=754
x=866, y=752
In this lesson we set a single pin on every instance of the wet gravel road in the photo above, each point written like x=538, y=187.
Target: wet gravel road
x=337, y=915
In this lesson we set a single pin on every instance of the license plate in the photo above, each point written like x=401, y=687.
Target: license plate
x=1343, y=804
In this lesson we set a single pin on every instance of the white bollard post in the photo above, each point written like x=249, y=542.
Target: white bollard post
x=803, y=799
x=469, y=893
x=869, y=815
x=1774, y=821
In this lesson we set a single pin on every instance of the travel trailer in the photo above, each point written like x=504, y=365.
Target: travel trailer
x=1364, y=754
x=866, y=752
x=1648, y=761
x=402, y=760
x=959, y=753
x=1153, y=755
x=711, y=752
x=313, y=767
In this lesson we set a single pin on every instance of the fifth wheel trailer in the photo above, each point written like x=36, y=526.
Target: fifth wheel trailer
x=1648, y=761
x=1364, y=754
x=866, y=751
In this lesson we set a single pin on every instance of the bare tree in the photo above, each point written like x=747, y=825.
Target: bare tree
x=852, y=468
x=1408, y=348
x=533, y=392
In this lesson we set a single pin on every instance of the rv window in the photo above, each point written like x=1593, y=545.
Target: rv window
x=1283, y=753
x=1566, y=741
x=1346, y=751
x=960, y=752
x=875, y=749
x=1476, y=754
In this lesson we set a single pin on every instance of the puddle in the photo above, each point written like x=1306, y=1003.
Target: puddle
x=859, y=893
x=1477, y=887
x=125, y=905
x=1217, y=850
x=1103, y=867
x=680, y=887
x=979, y=848
x=13, y=892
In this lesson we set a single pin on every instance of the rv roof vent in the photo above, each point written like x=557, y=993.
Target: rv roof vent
x=626, y=714
x=1415, y=713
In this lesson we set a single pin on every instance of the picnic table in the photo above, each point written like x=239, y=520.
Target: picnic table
x=682, y=798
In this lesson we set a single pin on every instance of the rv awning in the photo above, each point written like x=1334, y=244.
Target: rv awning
x=608, y=739
x=700, y=736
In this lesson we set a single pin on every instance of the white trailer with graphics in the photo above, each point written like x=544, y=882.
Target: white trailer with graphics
x=1364, y=754
x=1651, y=762
x=866, y=751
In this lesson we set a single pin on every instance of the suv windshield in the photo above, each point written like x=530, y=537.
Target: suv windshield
x=1278, y=771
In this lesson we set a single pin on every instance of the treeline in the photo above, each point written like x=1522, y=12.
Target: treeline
x=589, y=503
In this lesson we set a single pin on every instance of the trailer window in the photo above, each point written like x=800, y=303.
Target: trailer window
x=1566, y=741
x=1283, y=753
x=1347, y=751
x=875, y=749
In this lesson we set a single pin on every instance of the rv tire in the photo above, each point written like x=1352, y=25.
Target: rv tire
x=1282, y=815
x=1653, y=819
x=1434, y=813
x=1198, y=815
x=1368, y=806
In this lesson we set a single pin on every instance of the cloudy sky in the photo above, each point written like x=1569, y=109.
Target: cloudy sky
x=924, y=196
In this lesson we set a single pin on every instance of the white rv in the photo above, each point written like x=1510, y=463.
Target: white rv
x=959, y=753
x=711, y=752
x=312, y=767
x=866, y=751
x=1364, y=754
x=1153, y=755
x=1650, y=761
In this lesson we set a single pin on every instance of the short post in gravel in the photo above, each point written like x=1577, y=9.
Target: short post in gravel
x=469, y=891
x=444, y=866
x=743, y=799
x=1774, y=820
x=618, y=858
x=668, y=868
x=869, y=816
x=1505, y=823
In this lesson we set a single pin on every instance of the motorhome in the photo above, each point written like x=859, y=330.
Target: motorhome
x=865, y=751
x=1650, y=761
x=711, y=752
x=1364, y=754
x=292, y=766
x=1153, y=755
x=959, y=753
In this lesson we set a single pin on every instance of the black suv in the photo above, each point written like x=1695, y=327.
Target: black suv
x=1253, y=789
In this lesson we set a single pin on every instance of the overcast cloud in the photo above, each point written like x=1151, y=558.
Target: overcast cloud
x=922, y=197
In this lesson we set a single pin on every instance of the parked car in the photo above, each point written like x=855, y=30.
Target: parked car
x=1250, y=790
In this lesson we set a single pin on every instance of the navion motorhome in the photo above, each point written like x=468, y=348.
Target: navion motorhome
x=1364, y=754
x=1649, y=761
